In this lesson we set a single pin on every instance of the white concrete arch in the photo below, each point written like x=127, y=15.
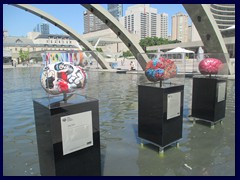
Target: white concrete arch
x=99, y=58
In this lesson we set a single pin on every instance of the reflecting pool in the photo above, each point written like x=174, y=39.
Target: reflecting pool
x=203, y=151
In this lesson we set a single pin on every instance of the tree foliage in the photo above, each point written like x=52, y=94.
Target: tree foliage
x=23, y=55
x=153, y=41
x=127, y=53
x=99, y=49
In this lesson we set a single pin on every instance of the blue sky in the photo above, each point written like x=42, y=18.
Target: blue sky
x=19, y=22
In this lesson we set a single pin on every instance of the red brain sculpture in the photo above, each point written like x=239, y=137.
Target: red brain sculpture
x=210, y=66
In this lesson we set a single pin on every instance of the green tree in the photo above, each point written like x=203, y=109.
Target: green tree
x=174, y=41
x=99, y=49
x=23, y=55
x=127, y=53
x=153, y=41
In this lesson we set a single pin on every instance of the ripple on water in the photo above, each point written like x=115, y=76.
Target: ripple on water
x=23, y=140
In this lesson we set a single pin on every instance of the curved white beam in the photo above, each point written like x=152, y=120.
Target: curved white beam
x=66, y=29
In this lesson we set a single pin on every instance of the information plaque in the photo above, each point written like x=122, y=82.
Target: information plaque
x=221, y=91
x=173, y=105
x=76, y=132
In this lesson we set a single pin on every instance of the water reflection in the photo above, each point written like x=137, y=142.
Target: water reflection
x=202, y=151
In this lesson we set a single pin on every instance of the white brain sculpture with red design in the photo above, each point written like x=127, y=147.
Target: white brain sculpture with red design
x=62, y=77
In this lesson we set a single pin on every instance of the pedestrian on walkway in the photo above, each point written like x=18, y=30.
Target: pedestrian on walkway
x=132, y=66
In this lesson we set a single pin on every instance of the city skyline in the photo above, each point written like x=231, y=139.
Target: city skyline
x=27, y=21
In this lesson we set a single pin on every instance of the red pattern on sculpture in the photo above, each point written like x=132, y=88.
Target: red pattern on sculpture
x=210, y=66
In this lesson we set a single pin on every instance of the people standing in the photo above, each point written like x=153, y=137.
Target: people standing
x=132, y=66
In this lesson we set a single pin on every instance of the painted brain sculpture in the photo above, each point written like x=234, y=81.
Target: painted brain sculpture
x=62, y=77
x=160, y=69
x=210, y=66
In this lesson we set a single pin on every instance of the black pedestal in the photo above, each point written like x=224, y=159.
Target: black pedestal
x=209, y=98
x=81, y=160
x=160, y=114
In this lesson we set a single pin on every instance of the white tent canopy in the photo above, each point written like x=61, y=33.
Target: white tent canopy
x=183, y=66
x=179, y=50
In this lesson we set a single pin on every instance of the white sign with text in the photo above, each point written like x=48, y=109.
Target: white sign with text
x=76, y=132
x=221, y=91
x=173, y=105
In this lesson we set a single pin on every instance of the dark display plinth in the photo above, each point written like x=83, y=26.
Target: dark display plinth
x=50, y=114
x=160, y=114
x=209, y=98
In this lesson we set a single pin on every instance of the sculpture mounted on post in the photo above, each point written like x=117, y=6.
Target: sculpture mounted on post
x=64, y=76
x=160, y=69
x=210, y=66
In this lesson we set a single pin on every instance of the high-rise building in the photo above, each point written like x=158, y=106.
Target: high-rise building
x=180, y=27
x=141, y=20
x=224, y=14
x=92, y=23
x=116, y=10
x=162, y=29
x=193, y=34
x=43, y=28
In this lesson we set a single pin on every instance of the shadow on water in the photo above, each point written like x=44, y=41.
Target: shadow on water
x=202, y=150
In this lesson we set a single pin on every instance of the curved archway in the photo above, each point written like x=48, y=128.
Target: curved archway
x=66, y=29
